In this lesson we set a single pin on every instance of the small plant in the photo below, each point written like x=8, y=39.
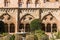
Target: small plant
x=35, y=37
x=4, y=34
x=41, y=35
x=12, y=37
x=58, y=35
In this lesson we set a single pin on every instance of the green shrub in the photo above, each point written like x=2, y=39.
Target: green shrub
x=41, y=35
x=35, y=25
x=12, y=37
x=4, y=34
x=58, y=35
x=35, y=37
x=31, y=37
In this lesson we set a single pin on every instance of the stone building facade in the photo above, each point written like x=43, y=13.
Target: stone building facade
x=16, y=15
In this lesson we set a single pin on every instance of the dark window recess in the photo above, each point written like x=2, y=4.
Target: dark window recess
x=43, y=26
x=21, y=26
x=2, y=28
x=27, y=28
x=48, y=28
x=12, y=28
x=54, y=28
x=6, y=27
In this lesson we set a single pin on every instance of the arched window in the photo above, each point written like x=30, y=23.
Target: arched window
x=6, y=3
x=43, y=26
x=36, y=3
x=27, y=28
x=12, y=27
x=20, y=3
x=28, y=3
x=21, y=26
x=48, y=28
x=54, y=28
x=6, y=27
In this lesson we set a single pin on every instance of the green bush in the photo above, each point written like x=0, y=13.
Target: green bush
x=35, y=37
x=35, y=25
x=4, y=34
x=58, y=35
x=41, y=35
x=12, y=37
x=31, y=37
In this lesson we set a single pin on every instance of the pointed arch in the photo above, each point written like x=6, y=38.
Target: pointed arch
x=2, y=16
x=25, y=16
x=44, y=18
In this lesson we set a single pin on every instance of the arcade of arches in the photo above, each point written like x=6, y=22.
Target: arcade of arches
x=25, y=23
x=49, y=23
x=49, y=27
x=4, y=27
